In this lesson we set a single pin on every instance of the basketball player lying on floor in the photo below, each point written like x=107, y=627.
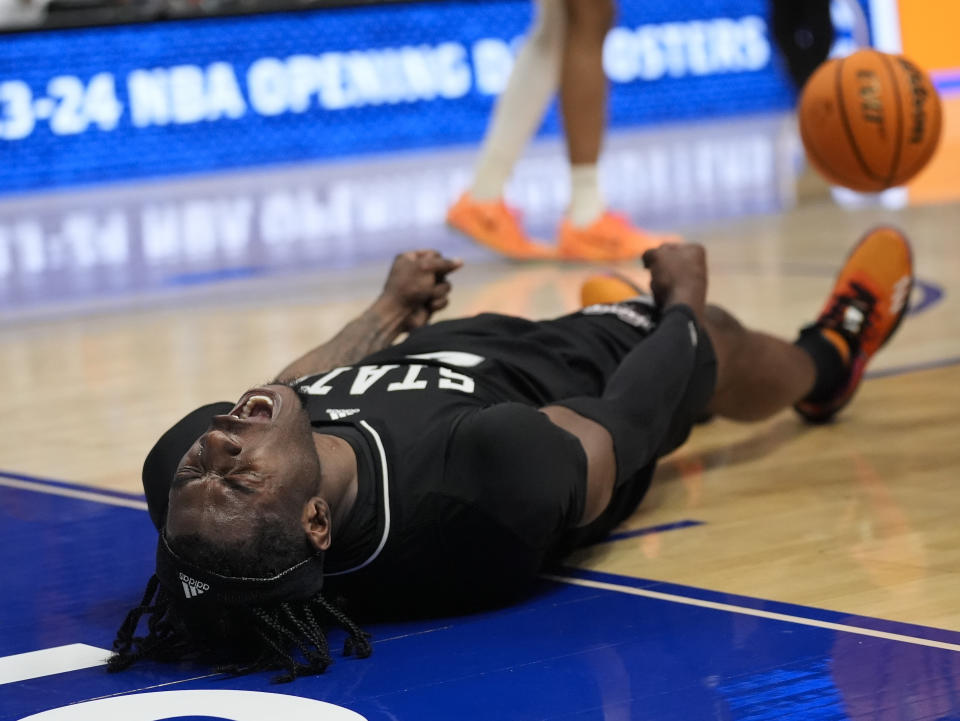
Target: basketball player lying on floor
x=441, y=474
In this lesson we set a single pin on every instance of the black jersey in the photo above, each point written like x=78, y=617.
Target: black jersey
x=473, y=486
x=464, y=487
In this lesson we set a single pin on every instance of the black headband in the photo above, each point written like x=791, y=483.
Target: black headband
x=191, y=583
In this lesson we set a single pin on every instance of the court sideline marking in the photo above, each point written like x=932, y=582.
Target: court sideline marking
x=11, y=480
x=48, y=661
x=746, y=611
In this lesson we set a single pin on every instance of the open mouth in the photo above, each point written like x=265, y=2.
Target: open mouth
x=255, y=406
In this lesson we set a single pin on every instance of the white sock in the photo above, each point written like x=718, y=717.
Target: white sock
x=586, y=201
x=520, y=108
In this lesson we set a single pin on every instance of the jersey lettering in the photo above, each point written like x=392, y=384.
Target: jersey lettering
x=410, y=382
x=366, y=377
x=319, y=387
x=451, y=380
x=415, y=377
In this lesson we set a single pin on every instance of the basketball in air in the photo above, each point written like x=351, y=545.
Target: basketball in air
x=869, y=121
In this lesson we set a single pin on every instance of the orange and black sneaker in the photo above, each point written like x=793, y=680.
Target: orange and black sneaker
x=497, y=226
x=608, y=288
x=867, y=305
x=609, y=238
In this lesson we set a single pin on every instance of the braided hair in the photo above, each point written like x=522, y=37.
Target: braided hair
x=289, y=636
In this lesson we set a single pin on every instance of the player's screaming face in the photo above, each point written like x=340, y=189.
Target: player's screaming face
x=257, y=460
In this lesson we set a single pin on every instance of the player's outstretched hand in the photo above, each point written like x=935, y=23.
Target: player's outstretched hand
x=678, y=274
x=418, y=285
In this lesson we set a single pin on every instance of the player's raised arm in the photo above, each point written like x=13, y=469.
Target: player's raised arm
x=415, y=289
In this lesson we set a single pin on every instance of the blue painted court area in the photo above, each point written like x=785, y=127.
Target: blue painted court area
x=593, y=646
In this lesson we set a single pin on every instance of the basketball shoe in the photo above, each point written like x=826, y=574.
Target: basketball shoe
x=609, y=238
x=865, y=308
x=607, y=289
x=497, y=226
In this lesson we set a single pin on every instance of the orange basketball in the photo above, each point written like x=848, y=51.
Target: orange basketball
x=869, y=121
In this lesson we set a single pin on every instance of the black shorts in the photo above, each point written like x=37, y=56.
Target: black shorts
x=545, y=362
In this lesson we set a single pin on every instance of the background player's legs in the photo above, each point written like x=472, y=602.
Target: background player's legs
x=583, y=96
x=565, y=47
x=520, y=108
x=589, y=231
x=480, y=213
x=804, y=33
x=757, y=374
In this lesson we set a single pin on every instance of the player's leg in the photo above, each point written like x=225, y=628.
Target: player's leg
x=590, y=231
x=804, y=33
x=758, y=374
x=583, y=100
x=480, y=212
x=651, y=400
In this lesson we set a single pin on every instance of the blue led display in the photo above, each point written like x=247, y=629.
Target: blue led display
x=115, y=103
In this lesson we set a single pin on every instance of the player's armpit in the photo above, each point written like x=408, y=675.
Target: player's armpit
x=601, y=460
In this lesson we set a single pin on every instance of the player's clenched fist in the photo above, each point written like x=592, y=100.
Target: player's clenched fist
x=678, y=274
x=417, y=285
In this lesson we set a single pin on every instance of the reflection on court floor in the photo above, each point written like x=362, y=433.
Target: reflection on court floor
x=115, y=241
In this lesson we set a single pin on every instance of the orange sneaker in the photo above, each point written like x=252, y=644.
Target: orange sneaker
x=610, y=237
x=868, y=302
x=608, y=288
x=497, y=226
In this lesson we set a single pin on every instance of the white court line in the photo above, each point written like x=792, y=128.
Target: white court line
x=130, y=691
x=73, y=493
x=48, y=661
x=730, y=608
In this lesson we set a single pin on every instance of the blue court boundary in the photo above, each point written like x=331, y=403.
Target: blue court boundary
x=691, y=592
x=928, y=633
x=932, y=294
x=72, y=486
x=917, y=631
x=914, y=367
x=947, y=82
x=646, y=531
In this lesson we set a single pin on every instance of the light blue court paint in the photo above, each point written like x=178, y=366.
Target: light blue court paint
x=586, y=646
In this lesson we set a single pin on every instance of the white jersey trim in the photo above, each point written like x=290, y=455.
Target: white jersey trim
x=386, y=502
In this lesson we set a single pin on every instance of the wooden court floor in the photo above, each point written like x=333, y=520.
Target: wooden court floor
x=858, y=517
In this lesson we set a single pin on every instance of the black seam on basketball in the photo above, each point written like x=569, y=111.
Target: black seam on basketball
x=894, y=165
x=923, y=158
x=838, y=87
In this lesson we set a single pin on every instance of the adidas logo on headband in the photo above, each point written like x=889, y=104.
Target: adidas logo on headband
x=191, y=587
